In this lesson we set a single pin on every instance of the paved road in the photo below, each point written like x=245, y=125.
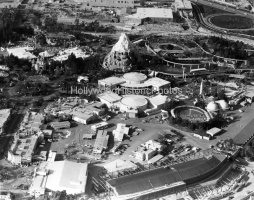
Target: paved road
x=225, y=7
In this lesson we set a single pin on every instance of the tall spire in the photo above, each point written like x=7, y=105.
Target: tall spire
x=201, y=92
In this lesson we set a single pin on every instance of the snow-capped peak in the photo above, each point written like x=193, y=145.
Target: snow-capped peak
x=123, y=44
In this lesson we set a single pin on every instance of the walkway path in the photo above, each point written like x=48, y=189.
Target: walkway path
x=234, y=128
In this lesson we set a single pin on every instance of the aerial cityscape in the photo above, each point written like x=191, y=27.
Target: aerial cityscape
x=126, y=100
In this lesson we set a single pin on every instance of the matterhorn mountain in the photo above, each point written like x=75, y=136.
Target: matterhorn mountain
x=122, y=56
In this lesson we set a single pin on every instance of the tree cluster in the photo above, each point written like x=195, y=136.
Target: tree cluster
x=223, y=47
x=14, y=62
x=248, y=151
x=58, y=195
x=12, y=28
x=52, y=26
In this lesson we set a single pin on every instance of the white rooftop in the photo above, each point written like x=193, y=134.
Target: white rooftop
x=4, y=114
x=118, y=165
x=135, y=77
x=152, y=13
x=134, y=101
x=213, y=131
x=67, y=52
x=158, y=99
x=67, y=175
x=112, y=81
x=156, y=82
x=21, y=52
x=110, y=97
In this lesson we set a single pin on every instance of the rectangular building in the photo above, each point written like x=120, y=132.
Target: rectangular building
x=120, y=131
x=183, y=5
x=158, y=101
x=111, y=82
x=158, y=84
x=4, y=117
x=119, y=165
x=101, y=141
x=84, y=117
x=22, y=150
x=99, y=126
x=60, y=125
x=64, y=175
x=150, y=14
x=112, y=3
x=110, y=99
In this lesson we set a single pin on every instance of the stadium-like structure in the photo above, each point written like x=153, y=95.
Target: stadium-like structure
x=164, y=180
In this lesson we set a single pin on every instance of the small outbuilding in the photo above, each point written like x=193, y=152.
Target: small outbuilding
x=213, y=131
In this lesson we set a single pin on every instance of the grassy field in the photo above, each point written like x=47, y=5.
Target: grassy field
x=232, y=22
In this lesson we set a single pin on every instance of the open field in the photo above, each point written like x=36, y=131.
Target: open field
x=231, y=21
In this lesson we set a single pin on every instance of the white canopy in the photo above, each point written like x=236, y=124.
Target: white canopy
x=21, y=52
x=65, y=54
x=46, y=54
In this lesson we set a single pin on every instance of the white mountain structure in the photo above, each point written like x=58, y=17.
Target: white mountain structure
x=123, y=45
x=122, y=56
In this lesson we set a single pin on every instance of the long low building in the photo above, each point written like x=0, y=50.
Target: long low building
x=245, y=134
x=101, y=141
x=60, y=125
x=166, y=180
x=153, y=14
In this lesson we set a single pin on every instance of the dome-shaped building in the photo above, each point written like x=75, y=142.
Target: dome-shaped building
x=133, y=103
x=134, y=77
x=223, y=104
x=212, y=106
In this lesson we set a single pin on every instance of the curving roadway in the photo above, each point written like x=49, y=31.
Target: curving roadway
x=226, y=7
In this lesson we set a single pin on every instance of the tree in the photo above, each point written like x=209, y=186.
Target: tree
x=172, y=120
x=185, y=123
x=142, y=2
x=249, y=152
x=191, y=126
x=39, y=102
x=222, y=95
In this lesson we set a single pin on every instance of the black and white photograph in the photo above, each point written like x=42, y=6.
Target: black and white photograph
x=126, y=99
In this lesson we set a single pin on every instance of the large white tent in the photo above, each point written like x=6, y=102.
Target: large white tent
x=21, y=52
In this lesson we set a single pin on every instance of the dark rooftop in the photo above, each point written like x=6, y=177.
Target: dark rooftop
x=245, y=134
x=163, y=176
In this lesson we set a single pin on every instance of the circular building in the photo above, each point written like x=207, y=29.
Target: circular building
x=223, y=104
x=134, y=77
x=133, y=103
x=212, y=107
